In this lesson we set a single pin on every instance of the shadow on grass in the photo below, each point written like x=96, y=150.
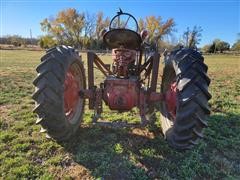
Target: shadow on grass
x=140, y=154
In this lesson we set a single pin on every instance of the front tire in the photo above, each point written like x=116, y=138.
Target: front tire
x=58, y=104
x=185, y=109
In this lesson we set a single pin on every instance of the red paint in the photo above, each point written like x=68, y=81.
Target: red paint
x=71, y=96
x=121, y=94
x=171, y=99
x=155, y=97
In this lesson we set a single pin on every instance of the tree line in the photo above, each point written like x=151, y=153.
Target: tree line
x=220, y=46
x=17, y=40
x=216, y=46
x=84, y=31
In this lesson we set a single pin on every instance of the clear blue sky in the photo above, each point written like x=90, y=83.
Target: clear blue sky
x=219, y=19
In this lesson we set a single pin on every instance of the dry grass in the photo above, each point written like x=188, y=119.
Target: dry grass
x=114, y=154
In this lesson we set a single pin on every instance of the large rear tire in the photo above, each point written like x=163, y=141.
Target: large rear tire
x=185, y=109
x=58, y=104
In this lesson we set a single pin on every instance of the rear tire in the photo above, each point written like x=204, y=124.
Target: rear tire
x=186, y=68
x=50, y=92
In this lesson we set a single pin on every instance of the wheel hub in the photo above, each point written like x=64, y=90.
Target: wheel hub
x=71, y=97
x=171, y=99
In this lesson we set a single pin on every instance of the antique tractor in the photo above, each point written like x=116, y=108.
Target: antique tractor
x=131, y=81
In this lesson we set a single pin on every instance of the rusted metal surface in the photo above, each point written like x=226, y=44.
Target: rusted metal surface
x=155, y=97
x=121, y=94
x=90, y=59
x=122, y=37
x=142, y=106
x=104, y=68
x=122, y=59
x=100, y=67
x=98, y=101
x=125, y=85
x=139, y=63
x=148, y=68
x=155, y=67
x=120, y=90
x=146, y=64
x=87, y=93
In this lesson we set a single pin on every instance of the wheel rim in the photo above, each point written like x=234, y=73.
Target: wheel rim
x=72, y=85
x=171, y=99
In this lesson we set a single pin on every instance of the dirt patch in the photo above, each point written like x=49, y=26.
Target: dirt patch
x=4, y=110
x=77, y=171
x=143, y=132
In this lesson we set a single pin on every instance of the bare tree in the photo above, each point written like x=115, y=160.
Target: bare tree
x=101, y=23
x=89, y=26
x=191, y=38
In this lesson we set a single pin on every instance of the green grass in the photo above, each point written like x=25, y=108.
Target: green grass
x=97, y=153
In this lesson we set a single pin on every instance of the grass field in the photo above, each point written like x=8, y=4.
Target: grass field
x=100, y=153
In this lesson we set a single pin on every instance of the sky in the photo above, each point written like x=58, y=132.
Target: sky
x=218, y=19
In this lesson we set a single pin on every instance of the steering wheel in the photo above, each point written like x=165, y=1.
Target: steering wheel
x=124, y=21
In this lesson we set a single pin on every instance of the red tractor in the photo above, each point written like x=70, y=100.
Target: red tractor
x=131, y=81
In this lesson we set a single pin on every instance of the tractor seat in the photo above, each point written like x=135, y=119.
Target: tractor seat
x=126, y=38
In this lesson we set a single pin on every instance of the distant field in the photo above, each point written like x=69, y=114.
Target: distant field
x=115, y=154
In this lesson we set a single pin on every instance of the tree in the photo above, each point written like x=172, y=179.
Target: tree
x=236, y=45
x=157, y=28
x=209, y=48
x=66, y=27
x=141, y=24
x=47, y=42
x=89, y=25
x=216, y=45
x=191, y=38
x=101, y=23
x=221, y=45
x=85, y=30
x=16, y=40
